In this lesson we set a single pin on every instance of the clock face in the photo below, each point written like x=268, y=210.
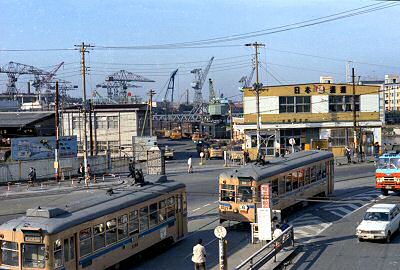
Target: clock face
x=220, y=232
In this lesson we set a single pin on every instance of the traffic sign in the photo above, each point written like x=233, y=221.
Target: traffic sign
x=220, y=232
x=292, y=141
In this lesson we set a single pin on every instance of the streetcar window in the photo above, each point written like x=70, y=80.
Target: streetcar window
x=281, y=185
x=57, y=249
x=307, y=178
x=72, y=248
x=66, y=250
x=274, y=187
x=313, y=174
x=289, y=182
x=184, y=199
x=227, y=195
x=153, y=217
x=133, y=222
x=170, y=207
x=111, y=231
x=122, y=227
x=9, y=253
x=33, y=256
x=295, y=180
x=323, y=169
x=99, y=236
x=319, y=172
x=162, y=211
x=178, y=203
x=245, y=194
x=144, y=218
x=85, y=242
x=300, y=175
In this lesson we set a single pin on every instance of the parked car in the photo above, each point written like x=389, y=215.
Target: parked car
x=168, y=152
x=380, y=221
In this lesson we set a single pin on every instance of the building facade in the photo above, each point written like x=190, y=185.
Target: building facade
x=310, y=112
x=111, y=128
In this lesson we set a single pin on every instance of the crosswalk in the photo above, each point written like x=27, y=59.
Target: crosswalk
x=317, y=220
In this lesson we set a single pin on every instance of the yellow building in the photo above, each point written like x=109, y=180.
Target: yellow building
x=306, y=112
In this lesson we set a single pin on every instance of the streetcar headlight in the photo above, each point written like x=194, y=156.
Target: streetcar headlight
x=383, y=232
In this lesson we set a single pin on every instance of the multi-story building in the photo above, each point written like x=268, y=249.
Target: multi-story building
x=312, y=111
x=112, y=126
x=391, y=99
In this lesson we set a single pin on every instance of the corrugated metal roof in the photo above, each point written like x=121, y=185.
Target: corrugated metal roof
x=18, y=119
x=94, y=204
x=278, y=165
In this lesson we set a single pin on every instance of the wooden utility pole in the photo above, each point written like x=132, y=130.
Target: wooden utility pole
x=357, y=143
x=56, y=150
x=231, y=123
x=83, y=50
x=257, y=88
x=151, y=94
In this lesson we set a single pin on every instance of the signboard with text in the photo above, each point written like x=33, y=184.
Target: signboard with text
x=32, y=148
x=265, y=196
x=264, y=223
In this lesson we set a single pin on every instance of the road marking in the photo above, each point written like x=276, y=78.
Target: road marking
x=208, y=204
x=196, y=209
x=216, y=201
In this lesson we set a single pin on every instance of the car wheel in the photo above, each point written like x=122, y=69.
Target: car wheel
x=360, y=240
x=389, y=235
x=385, y=192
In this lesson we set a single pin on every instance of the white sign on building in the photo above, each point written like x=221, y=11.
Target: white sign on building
x=264, y=223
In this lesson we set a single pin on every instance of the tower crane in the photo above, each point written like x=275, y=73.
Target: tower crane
x=118, y=83
x=14, y=70
x=211, y=95
x=197, y=84
x=246, y=80
x=44, y=80
x=171, y=86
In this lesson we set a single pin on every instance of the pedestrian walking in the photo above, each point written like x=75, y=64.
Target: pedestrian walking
x=348, y=154
x=89, y=175
x=81, y=173
x=376, y=149
x=190, y=165
x=277, y=153
x=284, y=225
x=277, y=232
x=199, y=256
x=32, y=175
x=131, y=168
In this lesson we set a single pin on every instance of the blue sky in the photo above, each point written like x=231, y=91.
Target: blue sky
x=371, y=38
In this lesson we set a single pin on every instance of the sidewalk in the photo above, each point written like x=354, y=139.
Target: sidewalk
x=342, y=161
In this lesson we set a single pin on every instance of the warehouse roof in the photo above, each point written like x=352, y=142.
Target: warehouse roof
x=20, y=119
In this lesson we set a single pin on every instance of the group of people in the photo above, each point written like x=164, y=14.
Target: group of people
x=279, y=228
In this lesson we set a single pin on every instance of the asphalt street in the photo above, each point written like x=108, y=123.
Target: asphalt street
x=324, y=229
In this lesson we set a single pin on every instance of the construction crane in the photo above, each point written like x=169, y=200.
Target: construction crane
x=211, y=93
x=14, y=70
x=118, y=83
x=171, y=86
x=246, y=80
x=197, y=84
x=63, y=86
x=40, y=81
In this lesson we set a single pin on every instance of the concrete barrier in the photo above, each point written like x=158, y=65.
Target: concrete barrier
x=19, y=170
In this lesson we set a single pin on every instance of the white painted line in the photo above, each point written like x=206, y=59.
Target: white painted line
x=216, y=202
x=208, y=204
x=196, y=209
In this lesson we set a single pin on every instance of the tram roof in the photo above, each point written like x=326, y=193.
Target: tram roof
x=91, y=205
x=279, y=165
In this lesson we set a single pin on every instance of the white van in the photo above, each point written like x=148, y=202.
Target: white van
x=380, y=221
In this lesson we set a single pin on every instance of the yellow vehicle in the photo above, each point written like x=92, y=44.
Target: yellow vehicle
x=175, y=134
x=236, y=153
x=96, y=232
x=168, y=152
x=196, y=137
x=215, y=151
x=287, y=180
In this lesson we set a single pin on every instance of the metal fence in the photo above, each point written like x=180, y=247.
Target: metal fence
x=269, y=251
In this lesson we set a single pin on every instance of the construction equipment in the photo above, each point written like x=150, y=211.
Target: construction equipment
x=118, y=83
x=176, y=134
x=14, y=70
x=246, y=80
x=40, y=81
x=197, y=84
x=211, y=94
x=171, y=86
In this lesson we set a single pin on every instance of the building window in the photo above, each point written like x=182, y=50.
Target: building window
x=113, y=146
x=343, y=103
x=101, y=122
x=75, y=122
x=112, y=122
x=294, y=104
x=339, y=137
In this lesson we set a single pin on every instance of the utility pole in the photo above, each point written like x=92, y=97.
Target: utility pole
x=90, y=127
x=359, y=144
x=151, y=94
x=84, y=49
x=257, y=87
x=231, y=123
x=56, y=150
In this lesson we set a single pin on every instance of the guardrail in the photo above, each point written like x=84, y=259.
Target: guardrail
x=268, y=251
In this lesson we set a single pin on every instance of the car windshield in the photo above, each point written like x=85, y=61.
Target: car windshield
x=237, y=148
x=216, y=147
x=389, y=163
x=376, y=216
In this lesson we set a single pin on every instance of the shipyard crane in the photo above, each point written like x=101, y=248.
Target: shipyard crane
x=246, y=80
x=44, y=80
x=14, y=70
x=118, y=83
x=197, y=84
x=63, y=86
x=211, y=95
x=171, y=86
